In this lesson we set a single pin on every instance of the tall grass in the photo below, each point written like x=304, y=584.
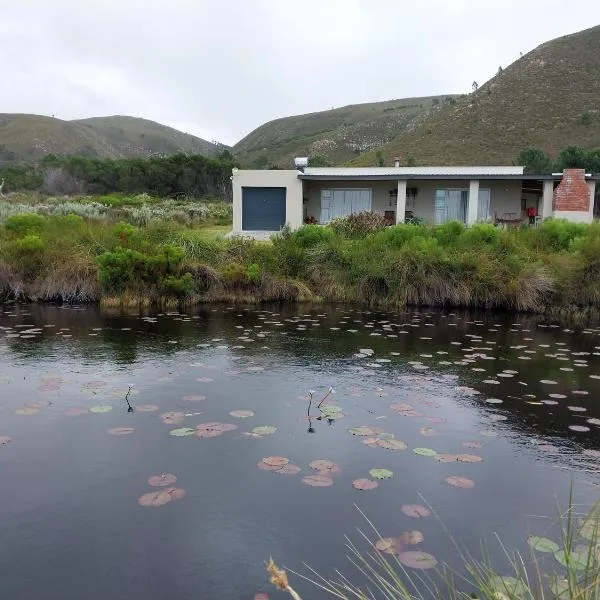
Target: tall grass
x=568, y=569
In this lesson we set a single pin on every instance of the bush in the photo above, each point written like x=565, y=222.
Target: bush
x=178, y=287
x=235, y=275
x=29, y=245
x=448, y=233
x=310, y=235
x=558, y=234
x=358, y=224
x=253, y=273
x=25, y=223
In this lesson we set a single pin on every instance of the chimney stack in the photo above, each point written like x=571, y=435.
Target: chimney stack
x=572, y=193
x=397, y=161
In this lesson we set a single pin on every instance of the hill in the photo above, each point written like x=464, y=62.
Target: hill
x=548, y=98
x=29, y=137
x=335, y=135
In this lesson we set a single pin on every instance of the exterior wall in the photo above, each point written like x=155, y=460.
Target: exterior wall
x=261, y=178
x=573, y=215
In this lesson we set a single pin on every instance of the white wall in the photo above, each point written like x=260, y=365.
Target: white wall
x=573, y=215
x=262, y=178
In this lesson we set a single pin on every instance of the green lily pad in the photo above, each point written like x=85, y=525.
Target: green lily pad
x=573, y=560
x=264, y=430
x=542, y=544
x=182, y=431
x=507, y=586
x=381, y=473
x=424, y=451
x=361, y=431
x=101, y=408
x=332, y=412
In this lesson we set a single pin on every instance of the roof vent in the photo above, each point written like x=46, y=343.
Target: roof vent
x=301, y=162
x=397, y=161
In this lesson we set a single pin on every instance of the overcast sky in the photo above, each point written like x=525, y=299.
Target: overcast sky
x=220, y=68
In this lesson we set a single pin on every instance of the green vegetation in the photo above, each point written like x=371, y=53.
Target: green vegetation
x=336, y=135
x=535, y=160
x=30, y=137
x=178, y=175
x=146, y=251
x=545, y=99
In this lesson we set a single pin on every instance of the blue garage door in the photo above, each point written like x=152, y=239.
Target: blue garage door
x=263, y=209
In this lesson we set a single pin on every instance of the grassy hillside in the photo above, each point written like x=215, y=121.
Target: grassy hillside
x=29, y=137
x=548, y=98
x=337, y=135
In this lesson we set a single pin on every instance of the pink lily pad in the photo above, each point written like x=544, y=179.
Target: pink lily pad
x=276, y=461
x=121, y=430
x=392, y=444
x=428, y=431
x=75, y=411
x=470, y=458
x=579, y=428
x=472, y=444
x=176, y=493
x=265, y=467
x=193, y=398
x=364, y=484
x=417, y=560
x=4, y=440
x=261, y=596
x=288, y=469
x=410, y=538
x=445, y=457
x=147, y=407
x=155, y=499
x=172, y=418
x=241, y=414
x=27, y=411
x=39, y=404
x=460, y=482
x=162, y=480
x=325, y=467
x=387, y=545
x=317, y=480
x=415, y=510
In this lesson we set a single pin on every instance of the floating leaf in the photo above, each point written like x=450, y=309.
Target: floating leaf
x=428, y=431
x=579, y=428
x=488, y=433
x=392, y=444
x=509, y=587
x=264, y=430
x=415, y=510
x=381, y=473
x=204, y=379
x=39, y=404
x=470, y=458
x=172, y=417
x=542, y=544
x=75, y=411
x=147, y=407
x=4, y=440
x=362, y=431
x=317, y=480
x=387, y=545
x=241, y=414
x=121, y=430
x=425, y=451
x=101, y=408
x=364, y=484
x=155, y=499
x=322, y=465
x=417, y=560
x=265, y=467
x=460, y=482
x=410, y=538
x=261, y=596
x=445, y=457
x=162, y=480
x=593, y=421
x=288, y=469
x=27, y=411
x=182, y=432
x=572, y=559
x=176, y=493
x=276, y=461
x=472, y=444
x=193, y=398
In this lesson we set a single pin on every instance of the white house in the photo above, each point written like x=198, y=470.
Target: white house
x=266, y=200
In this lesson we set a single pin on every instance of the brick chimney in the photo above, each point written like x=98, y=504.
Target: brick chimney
x=572, y=193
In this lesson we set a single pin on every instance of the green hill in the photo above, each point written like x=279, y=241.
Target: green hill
x=29, y=137
x=335, y=135
x=548, y=98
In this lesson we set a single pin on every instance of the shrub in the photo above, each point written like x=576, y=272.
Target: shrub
x=25, y=223
x=235, y=275
x=178, y=287
x=358, y=224
x=448, y=233
x=481, y=234
x=558, y=234
x=29, y=245
x=253, y=273
x=310, y=235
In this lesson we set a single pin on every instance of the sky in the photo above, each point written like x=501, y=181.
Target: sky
x=220, y=68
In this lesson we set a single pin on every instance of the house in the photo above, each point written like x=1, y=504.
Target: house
x=265, y=200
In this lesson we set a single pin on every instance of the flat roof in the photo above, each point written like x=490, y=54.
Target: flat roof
x=405, y=172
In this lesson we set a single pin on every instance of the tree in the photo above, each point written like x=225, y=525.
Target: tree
x=379, y=158
x=572, y=157
x=318, y=161
x=535, y=160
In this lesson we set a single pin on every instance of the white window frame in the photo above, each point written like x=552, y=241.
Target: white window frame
x=462, y=190
x=328, y=195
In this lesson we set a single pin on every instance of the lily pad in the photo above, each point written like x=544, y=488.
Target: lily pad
x=411, y=538
x=362, y=431
x=182, y=431
x=121, y=430
x=425, y=451
x=4, y=440
x=241, y=414
x=288, y=469
x=387, y=545
x=317, y=480
x=155, y=499
x=472, y=444
x=364, y=484
x=172, y=417
x=276, y=461
x=417, y=560
x=264, y=430
x=381, y=473
x=470, y=458
x=509, y=587
x=446, y=457
x=101, y=408
x=147, y=407
x=392, y=444
x=427, y=431
x=27, y=411
x=572, y=559
x=176, y=493
x=460, y=482
x=162, y=480
x=265, y=467
x=579, y=428
x=542, y=544
x=193, y=398
x=75, y=411
x=415, y=510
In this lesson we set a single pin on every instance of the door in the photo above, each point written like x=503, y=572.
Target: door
x=483, y=205
x=263, y=208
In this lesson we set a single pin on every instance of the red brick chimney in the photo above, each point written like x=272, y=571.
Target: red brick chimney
x=572, y=193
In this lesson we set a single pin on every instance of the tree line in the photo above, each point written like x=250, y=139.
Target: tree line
x=536, y=161
x=172, y=176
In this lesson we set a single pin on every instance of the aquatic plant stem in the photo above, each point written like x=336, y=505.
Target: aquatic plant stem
x=280, y=580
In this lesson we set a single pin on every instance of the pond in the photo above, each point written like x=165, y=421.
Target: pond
x=169, y=455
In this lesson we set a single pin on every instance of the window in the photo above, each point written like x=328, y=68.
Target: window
x=483, y=205
x=451, y=205
x=336, y=204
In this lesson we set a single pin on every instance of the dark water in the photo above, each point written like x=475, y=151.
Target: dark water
x=70, y=522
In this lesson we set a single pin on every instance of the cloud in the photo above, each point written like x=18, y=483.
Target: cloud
x=220, y=69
